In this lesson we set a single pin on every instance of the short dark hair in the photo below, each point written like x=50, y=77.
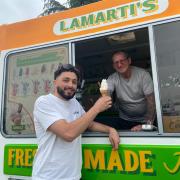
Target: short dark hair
x=66, y=68
x=126, y=54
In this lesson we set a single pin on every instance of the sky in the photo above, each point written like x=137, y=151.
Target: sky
x=12, y=11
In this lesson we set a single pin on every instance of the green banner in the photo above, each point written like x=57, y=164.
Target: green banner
x=43, y=58
x=100, y=162
x=18, y=159
x=131, y=162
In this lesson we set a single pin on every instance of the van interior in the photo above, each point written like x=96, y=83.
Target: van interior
x=93, y=58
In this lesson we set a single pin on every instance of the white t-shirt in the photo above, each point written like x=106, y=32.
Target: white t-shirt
x=56, y=159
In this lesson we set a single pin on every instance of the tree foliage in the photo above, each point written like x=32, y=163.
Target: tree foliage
x=77, y=3
x=53, y=6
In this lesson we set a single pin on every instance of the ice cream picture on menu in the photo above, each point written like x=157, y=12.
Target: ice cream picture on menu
x=104, y=88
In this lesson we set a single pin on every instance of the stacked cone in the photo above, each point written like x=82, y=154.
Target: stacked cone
x=104, y=92
x=104, y=88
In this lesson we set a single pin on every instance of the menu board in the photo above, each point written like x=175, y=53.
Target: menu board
x=30, y=74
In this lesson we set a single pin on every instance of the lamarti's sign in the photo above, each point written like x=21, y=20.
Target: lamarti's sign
x=95, y=18
x=121, y=13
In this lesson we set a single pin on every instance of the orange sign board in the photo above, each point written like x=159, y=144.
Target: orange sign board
x=91, y=19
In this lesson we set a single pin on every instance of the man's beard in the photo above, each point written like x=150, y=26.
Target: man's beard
x=61, y=92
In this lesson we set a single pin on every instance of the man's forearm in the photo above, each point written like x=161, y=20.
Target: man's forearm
x=98, y=127
x=113, y=134
x=150, y=108
x=80, y=125
x=70, y=130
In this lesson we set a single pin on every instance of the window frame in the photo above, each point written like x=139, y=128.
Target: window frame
x=4, y=80
x=160, y=114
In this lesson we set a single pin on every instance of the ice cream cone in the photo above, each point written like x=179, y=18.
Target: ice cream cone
x=104, y=88
x=104, y=92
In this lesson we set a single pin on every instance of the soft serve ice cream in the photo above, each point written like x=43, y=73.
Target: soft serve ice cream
x=104, y=88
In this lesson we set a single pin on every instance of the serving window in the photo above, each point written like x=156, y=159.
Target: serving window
x=29, y=74
x=94, y=58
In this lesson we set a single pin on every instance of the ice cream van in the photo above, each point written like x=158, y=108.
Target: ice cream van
x=87, y=36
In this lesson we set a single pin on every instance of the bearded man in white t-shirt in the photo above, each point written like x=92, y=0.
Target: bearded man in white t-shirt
x=59, y=121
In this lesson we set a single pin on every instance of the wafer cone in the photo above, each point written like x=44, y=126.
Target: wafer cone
x=104, y=92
